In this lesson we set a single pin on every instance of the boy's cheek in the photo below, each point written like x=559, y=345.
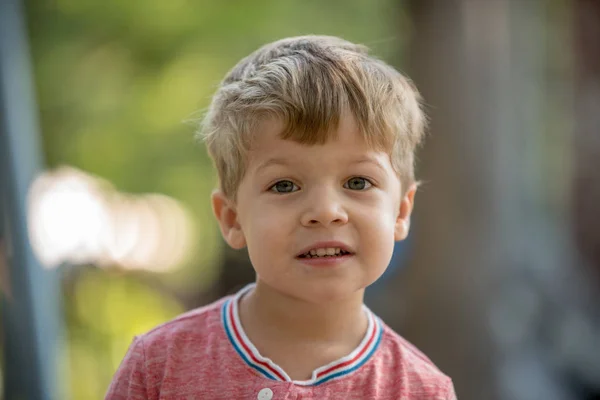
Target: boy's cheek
x=267, y=224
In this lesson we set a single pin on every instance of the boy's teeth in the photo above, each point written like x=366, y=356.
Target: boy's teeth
x=329, y=251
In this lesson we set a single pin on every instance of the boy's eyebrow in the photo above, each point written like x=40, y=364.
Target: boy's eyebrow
x=369, y=160
x=272, y=162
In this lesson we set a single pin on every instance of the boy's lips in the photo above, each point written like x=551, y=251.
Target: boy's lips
x=325, y=245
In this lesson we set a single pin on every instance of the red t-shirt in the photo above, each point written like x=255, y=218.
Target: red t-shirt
x=205, y=354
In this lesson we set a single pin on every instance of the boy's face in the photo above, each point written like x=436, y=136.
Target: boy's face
x=295, y=198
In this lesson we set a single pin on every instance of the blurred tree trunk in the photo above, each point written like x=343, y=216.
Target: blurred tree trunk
x=585, y=210
x=587, y=131
x=477, y=64
x=452, y=226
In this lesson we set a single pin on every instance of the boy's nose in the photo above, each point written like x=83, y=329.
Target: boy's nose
x=324, y=209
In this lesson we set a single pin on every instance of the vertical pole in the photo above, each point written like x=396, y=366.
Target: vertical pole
x=30, y=309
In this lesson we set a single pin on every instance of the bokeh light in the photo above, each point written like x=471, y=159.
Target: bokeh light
x=77, y=218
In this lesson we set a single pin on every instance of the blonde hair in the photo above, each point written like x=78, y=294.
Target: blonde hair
x=307, y=83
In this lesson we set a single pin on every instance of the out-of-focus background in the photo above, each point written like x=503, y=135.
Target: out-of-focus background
x=106, y=228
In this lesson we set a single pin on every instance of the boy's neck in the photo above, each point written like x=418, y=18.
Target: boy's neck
x=297, y=321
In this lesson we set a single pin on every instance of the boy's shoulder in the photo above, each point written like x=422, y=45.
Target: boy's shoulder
x=196, y=324
x=402, y=360
x=401, y=349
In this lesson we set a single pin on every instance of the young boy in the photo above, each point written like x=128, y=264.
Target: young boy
x=313, y=141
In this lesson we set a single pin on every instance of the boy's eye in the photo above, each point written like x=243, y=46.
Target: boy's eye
x=284, y=187
x=357, y=183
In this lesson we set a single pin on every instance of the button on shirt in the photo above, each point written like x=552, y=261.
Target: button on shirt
x=265, y=394
x=206, y=354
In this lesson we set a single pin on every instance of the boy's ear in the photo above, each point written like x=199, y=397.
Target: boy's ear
x=406, y=207
x=226, y=214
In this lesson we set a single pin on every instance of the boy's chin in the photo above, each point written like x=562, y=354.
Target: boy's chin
x=337, y=296
x=330, y=292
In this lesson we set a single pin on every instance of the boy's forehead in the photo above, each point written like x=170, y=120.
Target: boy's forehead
x=268, y=148
x=269, y=134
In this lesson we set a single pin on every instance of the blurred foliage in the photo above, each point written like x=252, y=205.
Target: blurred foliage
x=115, y=82
x=104, y=312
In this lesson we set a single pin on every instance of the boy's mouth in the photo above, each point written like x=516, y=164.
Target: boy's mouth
x=325, y=250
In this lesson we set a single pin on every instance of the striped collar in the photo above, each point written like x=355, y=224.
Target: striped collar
x=269, y=369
